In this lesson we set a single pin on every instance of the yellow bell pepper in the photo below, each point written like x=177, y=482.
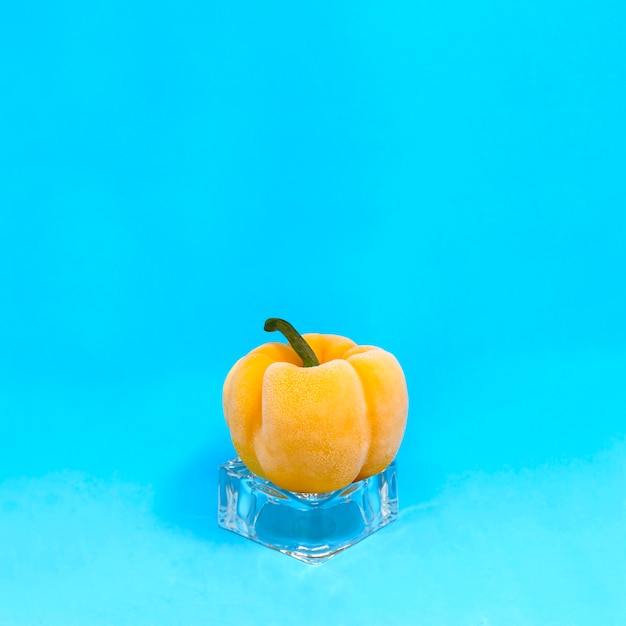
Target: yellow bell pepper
x=318, y=413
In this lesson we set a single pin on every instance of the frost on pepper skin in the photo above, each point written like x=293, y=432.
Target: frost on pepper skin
x=316, y=429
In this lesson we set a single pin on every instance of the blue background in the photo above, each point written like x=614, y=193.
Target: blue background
x=447, y=182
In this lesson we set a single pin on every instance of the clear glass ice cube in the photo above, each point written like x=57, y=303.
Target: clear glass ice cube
x=311, y=527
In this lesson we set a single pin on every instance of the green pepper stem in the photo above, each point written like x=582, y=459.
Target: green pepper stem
x=302, y=348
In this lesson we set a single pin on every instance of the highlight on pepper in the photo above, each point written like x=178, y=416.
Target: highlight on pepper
x=317, y=413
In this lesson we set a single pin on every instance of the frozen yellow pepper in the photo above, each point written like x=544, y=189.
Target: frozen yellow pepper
x=318, y=413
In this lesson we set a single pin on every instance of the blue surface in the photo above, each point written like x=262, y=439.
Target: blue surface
x=444, y=181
